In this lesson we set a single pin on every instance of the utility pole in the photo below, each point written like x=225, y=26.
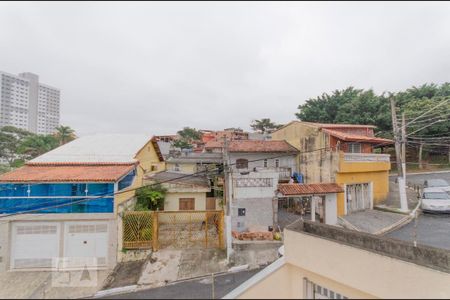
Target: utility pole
x=398, y=138
x=228, y=196
x=403, y=147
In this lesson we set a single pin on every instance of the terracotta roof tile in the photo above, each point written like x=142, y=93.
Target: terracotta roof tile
x=290, y=189
x=355, y=137
x=254, y=146
x=67, y=173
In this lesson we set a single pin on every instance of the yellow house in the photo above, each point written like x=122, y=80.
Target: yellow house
x=343, y=154
x=326, y=262
x=149, y=160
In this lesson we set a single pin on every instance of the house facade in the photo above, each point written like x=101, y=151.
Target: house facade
x=186, y=192
x=255, y=169
x=343, y=154
x=66, y=202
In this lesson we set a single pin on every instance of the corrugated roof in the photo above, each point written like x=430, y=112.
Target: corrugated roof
x=101, y=148
x=197, y=158
x=254, y=146
x=180, y=178
x=291, y=189
x=345, y=136
x=67, y=173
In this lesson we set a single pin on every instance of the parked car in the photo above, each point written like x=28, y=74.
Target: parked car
x=437, y=183
x=435, y=200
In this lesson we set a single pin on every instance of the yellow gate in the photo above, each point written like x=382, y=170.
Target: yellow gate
x=173, y=229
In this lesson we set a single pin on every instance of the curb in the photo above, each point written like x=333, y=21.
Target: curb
x=133, y=288
x=402, y=222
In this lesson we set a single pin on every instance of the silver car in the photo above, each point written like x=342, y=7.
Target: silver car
x=435, y=200
x=437, y=183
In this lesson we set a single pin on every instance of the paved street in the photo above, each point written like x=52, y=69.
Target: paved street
x=195, y=289
x=419, y=178
x=432, y=230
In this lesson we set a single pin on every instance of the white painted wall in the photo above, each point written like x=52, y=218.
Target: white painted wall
x=285, y=161
x=331, y=209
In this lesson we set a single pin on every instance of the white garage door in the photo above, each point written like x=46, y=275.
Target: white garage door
x=85, y=244
x=34, y=245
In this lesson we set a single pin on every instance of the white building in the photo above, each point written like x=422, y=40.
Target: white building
x=28, y=104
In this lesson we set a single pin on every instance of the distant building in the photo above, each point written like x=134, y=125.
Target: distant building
x=343, y=154
x=28, y=104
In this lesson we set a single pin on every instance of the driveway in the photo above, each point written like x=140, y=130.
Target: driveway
x=432, y=230
x=50, y=285
x=193, y=289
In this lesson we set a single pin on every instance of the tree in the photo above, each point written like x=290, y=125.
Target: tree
x=264, y=125
x=35, y=145
x=150, y=197
x=10, y=139
x=65, y=134
x=187, y=137
x=190, y=134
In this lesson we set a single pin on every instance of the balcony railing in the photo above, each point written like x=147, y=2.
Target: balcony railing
x=366, y=157
x=285, y=173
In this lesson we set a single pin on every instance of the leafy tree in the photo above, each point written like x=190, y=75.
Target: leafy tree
x=190, y=134
x=65, y=134
x=10, y=140
x=264, y=125
x=187, y=137
x=35, y=145
x=150, y=197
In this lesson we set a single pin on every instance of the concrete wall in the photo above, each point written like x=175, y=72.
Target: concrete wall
x=172, y=200
x=284, y=161
x=183, y=167
x=353, y=272
x=5, y=232
x=257, y=201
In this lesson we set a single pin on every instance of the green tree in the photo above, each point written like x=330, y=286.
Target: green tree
x=187, y=137
x=10, y=140
x=190, y=134
x=35, y=145
x=150, y=197
x=264, y=125
x=65, y=134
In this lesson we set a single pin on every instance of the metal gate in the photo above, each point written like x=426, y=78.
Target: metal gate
x=173, y=229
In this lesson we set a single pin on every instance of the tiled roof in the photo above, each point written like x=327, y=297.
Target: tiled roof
x=101, y=148
x=68, y=173
x=254, y=146
x=180, y=178
x=290, y=189
x=357, y=138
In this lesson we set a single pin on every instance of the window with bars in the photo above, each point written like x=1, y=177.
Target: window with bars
x=242, y=163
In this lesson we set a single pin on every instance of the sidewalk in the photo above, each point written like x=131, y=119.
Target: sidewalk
x=373, y=221
x=393, y=200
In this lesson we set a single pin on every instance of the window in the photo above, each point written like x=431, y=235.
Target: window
x=265, y=163
x=277, y=163
x=241, y=212
x=186, y=204
x=354, y=148
x=242, y=163
x=154, y=168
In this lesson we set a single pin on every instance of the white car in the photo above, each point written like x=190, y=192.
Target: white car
x=437, y=183
x=435, y=200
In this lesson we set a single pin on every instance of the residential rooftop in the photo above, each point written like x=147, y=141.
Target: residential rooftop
x=435, y=258
x=195, y=157
x=254, y=146
x=100, y=148
x=67, y=173
x=179, y=178
x=328, y=125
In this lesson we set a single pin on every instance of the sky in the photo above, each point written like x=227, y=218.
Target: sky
x=153, y=68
